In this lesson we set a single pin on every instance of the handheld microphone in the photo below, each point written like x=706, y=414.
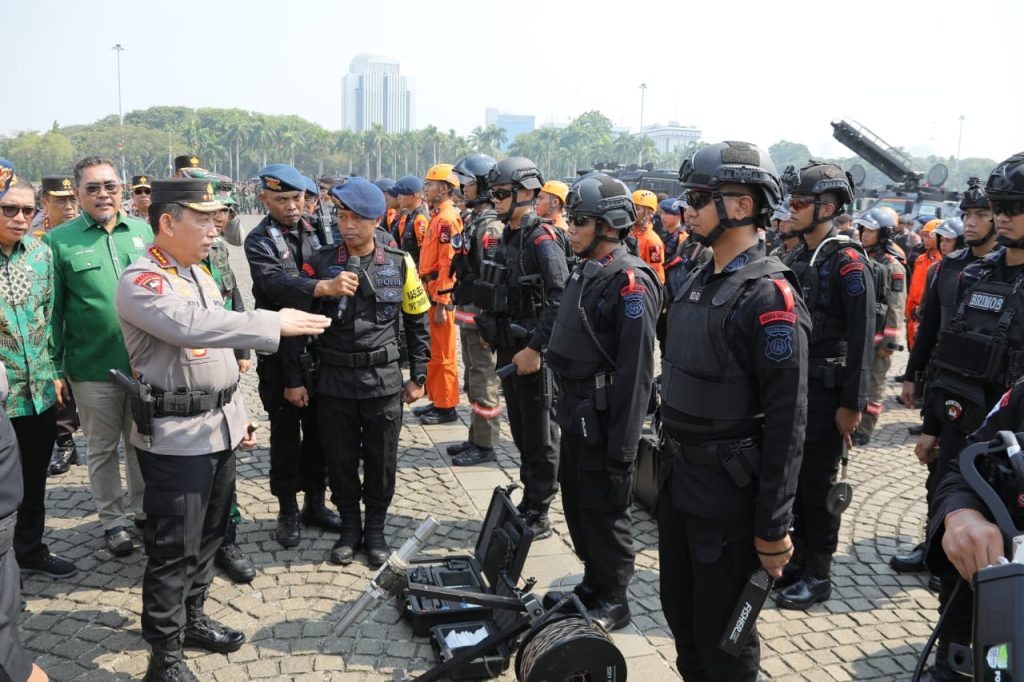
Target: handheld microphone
x=351, y=266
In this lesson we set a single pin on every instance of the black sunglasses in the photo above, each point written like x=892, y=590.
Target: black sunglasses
x=502, y=194
x=699, y=198
x=142, y=190
x=95, y=187
x=579, y=220
x=11, y=211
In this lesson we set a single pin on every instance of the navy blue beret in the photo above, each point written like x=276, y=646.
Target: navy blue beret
x=407, y=186
x=670, y=205
x=280, y=177
x=385, y=184
x=361, y=197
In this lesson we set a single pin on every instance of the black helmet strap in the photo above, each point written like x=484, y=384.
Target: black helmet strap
x=724, y=222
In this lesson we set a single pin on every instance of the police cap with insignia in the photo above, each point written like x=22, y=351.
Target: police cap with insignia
x=194, y=193
x=187, y=161
x=361, y=197
x=140, y=181
x=407, y=186
x=280, y=177
x=58, y=186
x=7, y=176
x=670, y=206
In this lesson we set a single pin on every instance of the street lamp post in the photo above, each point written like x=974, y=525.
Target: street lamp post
x=120, y=111
x=959, y=139
x=643, y=89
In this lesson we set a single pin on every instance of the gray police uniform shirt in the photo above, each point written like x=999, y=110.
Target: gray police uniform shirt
x=178, y=335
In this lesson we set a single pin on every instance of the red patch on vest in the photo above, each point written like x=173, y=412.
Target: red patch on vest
x=777, y=316
x=787, y=293
x=898, y=275
x=488, y=240
x=631, y=286
x=655, y=253
x=853, y=254
x=444, y=234
x=308, y=270
x=151, y=281
x=850, y=267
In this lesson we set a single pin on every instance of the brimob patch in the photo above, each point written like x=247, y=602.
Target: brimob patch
x=737, y=263
x=151, y=281
x=778, y=346
x=855, y=283
x=633, y=305
x=953, y=410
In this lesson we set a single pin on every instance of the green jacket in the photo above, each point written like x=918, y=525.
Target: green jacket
x=85, y=336
x=26, y=296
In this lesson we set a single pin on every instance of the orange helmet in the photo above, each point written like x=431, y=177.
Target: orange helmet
x=930, y=226
x=559, y=189
x=645, y=197
x=443, y=172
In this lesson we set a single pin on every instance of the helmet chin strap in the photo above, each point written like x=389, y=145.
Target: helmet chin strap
x=598, y=238
x=982, y=240
x=504, y=217
x=724, y=223
x=816, y=219
x=1010, y=243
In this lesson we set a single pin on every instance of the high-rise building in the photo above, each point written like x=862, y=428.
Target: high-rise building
x=514, y=125
x=668, y=138
x=375, y=92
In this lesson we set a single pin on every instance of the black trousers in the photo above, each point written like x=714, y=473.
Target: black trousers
x=361, y=430
x=296, y=458
x=186, y=501
x=704, y=565
x=959, y=620
x=813, y=524
x=36, y=434
x=596, y=503
x=67, y=417
x=534, y=433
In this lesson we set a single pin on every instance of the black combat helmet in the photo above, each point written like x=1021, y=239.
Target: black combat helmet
x=1005, y=189
x=516, y=170
x=739, y=163
x=815, y=179
x=974, y=196
x=474, y=168
x=604, y=197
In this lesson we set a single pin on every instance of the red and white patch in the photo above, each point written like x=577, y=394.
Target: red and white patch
x=853, y=254
x=850, y=267
x=444, y=234
x=151, y=281
x=308, y=270
x=655, y=253
x=777, y=316
x=953, y=410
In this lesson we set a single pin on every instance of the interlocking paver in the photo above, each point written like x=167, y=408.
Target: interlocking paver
x=87, y=627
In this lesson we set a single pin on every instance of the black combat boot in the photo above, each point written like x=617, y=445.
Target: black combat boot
x=204, y=632
x=911, y=562
x=166, y=663
x=586, y=591
x=422, y=409
x=537, y=520
x=288, y=522
x=377, y=550
x=316, y=513
x=611, y=610
x=344, y=549
x=814, y=585
x=230, y=559
x=941, y=670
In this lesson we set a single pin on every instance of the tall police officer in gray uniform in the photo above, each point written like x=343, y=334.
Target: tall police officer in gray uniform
x=188, y=415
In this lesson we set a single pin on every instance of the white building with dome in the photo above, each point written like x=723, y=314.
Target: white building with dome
x=375, y=92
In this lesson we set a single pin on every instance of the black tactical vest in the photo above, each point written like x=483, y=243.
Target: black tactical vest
x=702, y=379
x=946, y=283
x=408, y=242
x=469, y=253
x=309, y=244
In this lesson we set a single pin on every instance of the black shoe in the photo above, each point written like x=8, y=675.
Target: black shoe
x=344, y=549
x=586, y=593
x=911, y=562
x=860, y=439
x=374, y=542
x=422, y=409
x=240, y=568
x=315, y=513
x=474, y=455
x=166, y=664
x=139, y=523
x=439, y=415
x=204, y=632
x=538, y=523
x=288, y=534
x=64, y=455
x=611, y=614
x=50, y=565
x=804, y=593
x=118, y=541
x=456, y=448
x=935, y=584
x=791, y=572
x=915, y=430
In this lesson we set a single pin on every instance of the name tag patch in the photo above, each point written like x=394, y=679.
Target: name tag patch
x=983, y=301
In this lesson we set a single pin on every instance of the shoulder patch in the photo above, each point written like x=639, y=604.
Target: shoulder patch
x=308, y=270
x=654, y=251
x=778, y=342
x=852, y=253
x=787, y=294
x=632, y=296
x=444, y=233
x=151, y=281
x=776, y=316
x=850, y=267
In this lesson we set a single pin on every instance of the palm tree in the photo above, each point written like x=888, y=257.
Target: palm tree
x=291, y=140
x=263, y=136
x=236, y=130
x=347, y=142
x=375, y=141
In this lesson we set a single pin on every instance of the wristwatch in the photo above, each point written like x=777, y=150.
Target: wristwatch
x=421, y=380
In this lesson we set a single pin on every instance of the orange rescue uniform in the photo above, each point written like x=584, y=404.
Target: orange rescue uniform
x=435, y=270
x=651, y=250
x=916, y=293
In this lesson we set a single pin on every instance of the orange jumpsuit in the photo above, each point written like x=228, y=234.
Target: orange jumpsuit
x=435, y=270
x=916, y=293
x=651, y=250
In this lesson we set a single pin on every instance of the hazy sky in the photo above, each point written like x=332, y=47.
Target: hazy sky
x=749, y=70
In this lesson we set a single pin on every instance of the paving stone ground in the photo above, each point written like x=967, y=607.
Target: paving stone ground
x=87, y=627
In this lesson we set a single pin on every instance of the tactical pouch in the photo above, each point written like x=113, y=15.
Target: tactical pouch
x=829, y=372
x=487, y=327
x=741, y=462
x=490, y=297
x=972, y=355
x=309, y=366
x=143, y=413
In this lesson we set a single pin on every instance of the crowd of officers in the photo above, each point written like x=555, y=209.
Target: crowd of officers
x=129, y=324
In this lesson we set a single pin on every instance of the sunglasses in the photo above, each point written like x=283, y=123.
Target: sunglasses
x=502, y=194
x=799, y=204
x=1007, y=208
x=95, y=187
x=142, y=190
x=11, y=211
x=699, y=198
x=579, y=220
